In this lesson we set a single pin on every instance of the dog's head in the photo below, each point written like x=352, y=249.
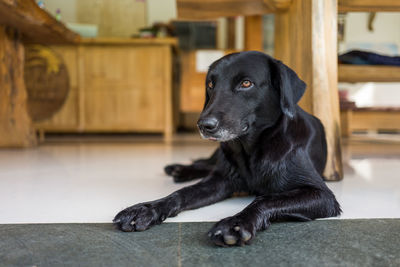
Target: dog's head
x=246, y=91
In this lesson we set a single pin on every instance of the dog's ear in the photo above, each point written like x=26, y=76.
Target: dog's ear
x=291, y=88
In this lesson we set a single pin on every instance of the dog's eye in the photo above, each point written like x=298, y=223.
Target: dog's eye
x=246, y=84
x=210, y=85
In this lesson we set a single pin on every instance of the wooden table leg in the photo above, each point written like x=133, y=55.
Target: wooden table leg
x=15, y=125
x=345, y=122
x=169, y=113
x=306, y=40
x=253, y=33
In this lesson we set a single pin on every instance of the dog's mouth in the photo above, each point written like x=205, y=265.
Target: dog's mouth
x=245, y=128
x=209, y=137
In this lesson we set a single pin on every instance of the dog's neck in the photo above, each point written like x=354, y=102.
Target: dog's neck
x=249, y=142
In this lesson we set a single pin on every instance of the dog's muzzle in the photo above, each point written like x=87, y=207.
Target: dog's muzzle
x=208, y=126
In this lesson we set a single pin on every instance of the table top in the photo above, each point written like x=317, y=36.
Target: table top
x=127, y=41
x=34, y=23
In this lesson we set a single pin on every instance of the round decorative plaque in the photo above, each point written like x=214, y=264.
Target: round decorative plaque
x=46, y=80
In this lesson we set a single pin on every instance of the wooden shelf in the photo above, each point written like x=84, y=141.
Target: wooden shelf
x=210, y=9
x=374, y=119
x=34, y=23
x=368, y=73
x=369, y=5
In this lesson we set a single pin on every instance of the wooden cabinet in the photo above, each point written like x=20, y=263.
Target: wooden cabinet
x=116, y=85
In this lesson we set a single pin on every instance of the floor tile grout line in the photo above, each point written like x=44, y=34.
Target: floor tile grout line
x=179, y=244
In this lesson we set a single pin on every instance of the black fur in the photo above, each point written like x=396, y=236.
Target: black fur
x=269, y=148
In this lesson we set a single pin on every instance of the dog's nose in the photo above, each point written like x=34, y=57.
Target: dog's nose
x=208, y=125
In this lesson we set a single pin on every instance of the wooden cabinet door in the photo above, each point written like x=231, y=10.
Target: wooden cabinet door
x=124, y=87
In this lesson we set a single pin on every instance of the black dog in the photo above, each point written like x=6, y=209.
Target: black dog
x=270, y=148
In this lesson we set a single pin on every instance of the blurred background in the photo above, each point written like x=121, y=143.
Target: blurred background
x=139, y=68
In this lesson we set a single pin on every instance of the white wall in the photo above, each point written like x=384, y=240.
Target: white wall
x=68, y=9
x=373, y=94
x=156, y=10
x=160, y=11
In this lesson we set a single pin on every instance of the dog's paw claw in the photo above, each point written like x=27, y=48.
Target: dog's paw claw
x=245, y=236
x=230, y=240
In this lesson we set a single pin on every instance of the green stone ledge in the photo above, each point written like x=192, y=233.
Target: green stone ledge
x=369, y=242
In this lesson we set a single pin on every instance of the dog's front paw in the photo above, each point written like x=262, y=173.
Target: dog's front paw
x=171, y=169
x=179, y=172
x=232, y=231
x=139, y=217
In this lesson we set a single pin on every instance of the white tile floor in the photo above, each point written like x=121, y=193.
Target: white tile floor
x=91, y=181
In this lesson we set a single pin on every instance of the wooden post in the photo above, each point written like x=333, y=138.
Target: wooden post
x=306, y=40
x=253, y=32
x=231, y=21
x=169, y=120
x=15, y=125
x=346, y=117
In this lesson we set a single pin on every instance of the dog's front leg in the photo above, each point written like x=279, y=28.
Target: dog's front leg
x=143, y=215
x=198, y=169
x=301, y=204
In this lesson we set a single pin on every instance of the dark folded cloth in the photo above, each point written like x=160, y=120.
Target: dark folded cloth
x=346, y=105
x=358, y=57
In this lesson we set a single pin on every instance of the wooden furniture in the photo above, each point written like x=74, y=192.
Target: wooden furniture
x=117, y=85
x=35, y=24
x=369, y=5
x=305, y=40
x=209, y=9
x=21, y=21
x=369, y=119
x=367, y=73
x=375, y=118
x=253, y=37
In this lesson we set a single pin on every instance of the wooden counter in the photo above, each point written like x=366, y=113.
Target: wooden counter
x=117, y=85
x=35, y=24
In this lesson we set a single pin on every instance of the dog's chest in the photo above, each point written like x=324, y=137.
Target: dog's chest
x=255, y=174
